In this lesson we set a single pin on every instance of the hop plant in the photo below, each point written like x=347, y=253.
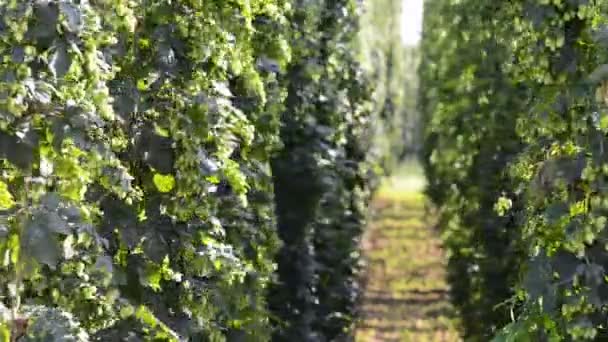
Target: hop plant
x=37, y=323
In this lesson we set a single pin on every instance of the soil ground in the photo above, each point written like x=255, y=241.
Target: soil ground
x=405, y=293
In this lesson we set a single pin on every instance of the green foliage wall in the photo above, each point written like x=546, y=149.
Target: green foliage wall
x=136, y=189
x=468, y=104
x=183, y=170
x=345, y=116
x=322, y=175
x=513, y=95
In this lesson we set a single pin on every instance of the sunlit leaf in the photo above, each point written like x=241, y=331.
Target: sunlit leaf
x=164, y=183
x=6, y=198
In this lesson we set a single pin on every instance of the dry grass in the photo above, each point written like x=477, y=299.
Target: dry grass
x=406, y=296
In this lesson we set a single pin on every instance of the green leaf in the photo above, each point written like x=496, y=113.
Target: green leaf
x=60, y=61
x=72, y=15
x=513, y=332
x=5, y=333
x=164, y=183
x=503, y=205
x=39, y=241
x=162, y=332
x=604, y=123
x=163, y=132
x=152, y=277
x=127, y=311
x=6, y=199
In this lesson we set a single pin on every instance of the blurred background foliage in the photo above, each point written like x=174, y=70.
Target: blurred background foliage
x=391, y=66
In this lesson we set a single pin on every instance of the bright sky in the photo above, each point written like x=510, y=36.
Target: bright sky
x=411, y=21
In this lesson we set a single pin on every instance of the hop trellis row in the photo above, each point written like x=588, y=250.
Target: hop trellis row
x=150, y=156
x=512, y=96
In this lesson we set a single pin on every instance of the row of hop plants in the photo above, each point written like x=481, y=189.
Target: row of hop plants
x=182, y=170
x=513, y=100
x=340, y=135
x=321, y=177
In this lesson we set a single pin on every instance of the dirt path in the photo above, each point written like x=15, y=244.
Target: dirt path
x=405, y=293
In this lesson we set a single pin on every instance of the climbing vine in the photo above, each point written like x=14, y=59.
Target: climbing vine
x=321, y=176
x=136, y=189
x=183, y=170
x=515, y=158
x=338, y=130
